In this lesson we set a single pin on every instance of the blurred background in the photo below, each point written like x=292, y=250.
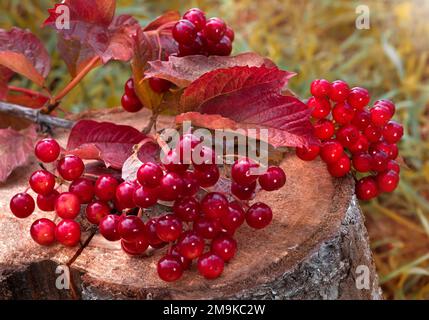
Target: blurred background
x=316, y=39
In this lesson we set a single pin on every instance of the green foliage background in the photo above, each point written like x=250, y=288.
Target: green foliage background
x=315, y=38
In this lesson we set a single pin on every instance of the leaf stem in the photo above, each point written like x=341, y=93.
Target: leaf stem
x=28, y=92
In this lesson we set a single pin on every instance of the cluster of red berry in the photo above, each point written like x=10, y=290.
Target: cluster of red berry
x=353, y=136
x=199, y=218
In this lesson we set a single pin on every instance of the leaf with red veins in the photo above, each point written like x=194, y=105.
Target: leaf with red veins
x=252, y=98
x=15, y=149
x=182, y=71
x=22, y=52
x=108, y=142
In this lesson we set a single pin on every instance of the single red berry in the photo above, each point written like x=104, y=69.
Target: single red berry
x=340, y=168
x=70, y=167
x=42, y=182
x=108, y=227
x=174, y=251
x=47, y=150
x=207, y=228
x=308, y=153
x=362, y=162
x=214, y=205
x=339, y=91
x=361, y=145
x=159, y=85
x=273, y=179
x=43, y=232
x=387, y=103
x=348, y=135
x=47, y=202
x=173, y=163
x=234, y=218
x=361, y=119
x=379, y=161
x=197, y=17
x=387, y=181
x=191, y=185
x=129, y=87
x=372, y=133
x=150, y=175
x=184, y=32
x=196, y=48
x=105, y=187
x=152, y=237
x=324, y=129
x=243, y=171
x=394, y=166
x=208, y=176
x=215, y=29
x=393, y=132
x=190, y=245
x=203, y=157
x=331, y=151
x=243, y=192
x=358, y=98
x=22, y=205
x=380, y=115
x=171, y=187
x=210, y=265
x=130, y=228
x=390, y=149
x=224, y=246
x=169, y=228
x=320, y=88
x=131, y=103
x=230, y=33
x=125, y=193
x=137, y=247
x=145, y=197
x=320, y=106
x=343, y=113
x=67, y=232
x=187, y=209
x=67, y=205
x=170, y=268
x=96, y=211
x=84, y=189
x=259, y=215
x=221, y=48
x=366, y=188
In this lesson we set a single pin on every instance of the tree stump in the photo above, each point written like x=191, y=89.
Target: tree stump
x=310, y=251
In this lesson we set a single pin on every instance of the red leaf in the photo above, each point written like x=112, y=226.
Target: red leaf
x=252, y=98
x=15, y=149
x=160, y=22
x=183, y=71
x=5, y=76
x=109, y=142
x=94, y=32
x=209, y=121
x=23, y=53
x=26, y=98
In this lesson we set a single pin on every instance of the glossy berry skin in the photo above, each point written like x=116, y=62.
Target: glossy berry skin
x=331, y=151
x=137, y=247
x=169, y=228
x=187, y=144
x=152, y=237
x=173, y=163
x=259, y=215
x=47, y=202
x=348, y=135
x=366, y=188
x=130, y=228
x=125, y=194
x=361, y=119
x=131, y=103
x=224, y=246
x=203, y=157
x=70, y=167
x=67, y=232
x=184, y=32
x=387, y=181
x=67, y=205
x=96, y=211
x=171, y=187
x=324, y=129
x=358, y=98
x=207, y=228
x=394, y=166
x=320, y=88
x=340, y=168
x=321, y=107
x=361, y=145
x=207, y=176
x=343, y=113
x=386, y=103
x=243, y=192
x=222, y=48
x=84, y=189
x=129, y=87
x=215, y=29
x=214, y=205
x=380, y=115
x=22, y=205
x=174, y=251
x=150, y=175
x=108, y=227
x=391, y=150
x=170, y=268
x=234, y=218
x=230, y=33
x=42, y=182
x=105, y=188
x=308, y=153
x=372, y=133
x=241, y=171
x=47, y=150
x=379, y=161
x=145, y=197
x=273, y=179
x=43, y=232
x=190, y=182
x=197, y=17
x=362, y=162
x=190, y=245
x=210, y=265
x=187, y=209
x=339, y=91
x=393, y=132
x=159, y=85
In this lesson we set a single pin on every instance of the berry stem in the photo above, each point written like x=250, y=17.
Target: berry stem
x=152, y=123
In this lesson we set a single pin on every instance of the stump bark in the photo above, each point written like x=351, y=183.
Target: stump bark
x=310, y=251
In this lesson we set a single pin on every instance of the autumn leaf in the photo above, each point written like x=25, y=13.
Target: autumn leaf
x=183, y=71
x=108, y=142
x=15, y=149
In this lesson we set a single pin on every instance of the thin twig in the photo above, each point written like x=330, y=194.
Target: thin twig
x=151, y=123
